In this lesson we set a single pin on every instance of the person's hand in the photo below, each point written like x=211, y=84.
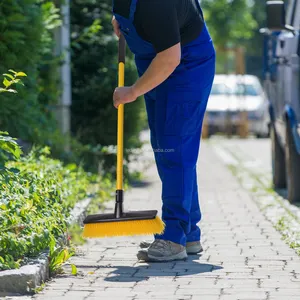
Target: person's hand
x=116, y=27
x=124, y=95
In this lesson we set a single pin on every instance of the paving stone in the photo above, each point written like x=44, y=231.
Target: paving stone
x=82, y=294
x=53, y=297
x=286, y=292
x=52, y=293
x=196, y=291
x=286, y=283
x=111, y=297
x=105, y=284
x=287, y=297
x=242, y=297
x=207, y=297
x=243, y=276
x=246, y=293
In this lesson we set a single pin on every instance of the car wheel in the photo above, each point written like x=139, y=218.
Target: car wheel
x=278, y=161
x=292, y=167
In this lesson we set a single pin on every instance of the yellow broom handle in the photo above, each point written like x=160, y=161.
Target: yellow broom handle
x=120, y=141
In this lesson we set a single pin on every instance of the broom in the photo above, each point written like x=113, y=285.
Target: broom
x=122, y=223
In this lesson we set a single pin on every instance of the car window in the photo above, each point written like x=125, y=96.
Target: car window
x=247, y=90
x=220, y=89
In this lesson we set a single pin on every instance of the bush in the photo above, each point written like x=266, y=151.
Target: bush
x=36, y=196
x=26, y=44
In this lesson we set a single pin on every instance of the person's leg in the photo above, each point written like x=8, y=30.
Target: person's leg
x=179, y=116
x=154, y=110
x=195, y=214
x=194, y=235
x=178, y=169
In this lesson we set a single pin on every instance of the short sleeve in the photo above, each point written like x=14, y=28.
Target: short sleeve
x=157, y=22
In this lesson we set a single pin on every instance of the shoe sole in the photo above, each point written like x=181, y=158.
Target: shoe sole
x=194, y=249
x=179, y=256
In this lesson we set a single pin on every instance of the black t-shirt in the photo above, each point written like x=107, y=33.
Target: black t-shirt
x=164, y=23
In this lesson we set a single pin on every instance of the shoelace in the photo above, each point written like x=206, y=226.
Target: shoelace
x=161, y=244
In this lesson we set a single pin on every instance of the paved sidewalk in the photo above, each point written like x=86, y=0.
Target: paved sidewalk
x=244, y=257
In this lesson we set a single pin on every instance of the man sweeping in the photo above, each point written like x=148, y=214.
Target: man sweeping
x=175, y=59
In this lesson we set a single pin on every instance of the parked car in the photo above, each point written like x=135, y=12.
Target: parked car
x=232, y=94
x=282, y=82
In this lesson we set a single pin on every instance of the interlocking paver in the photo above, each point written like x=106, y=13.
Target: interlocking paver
x=244, y=257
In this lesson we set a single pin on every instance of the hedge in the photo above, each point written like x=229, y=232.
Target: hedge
x=26, y=44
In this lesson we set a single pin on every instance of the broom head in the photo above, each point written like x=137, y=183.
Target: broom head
x=128, y=224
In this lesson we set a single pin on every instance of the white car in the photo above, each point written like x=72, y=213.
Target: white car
x=232, y=94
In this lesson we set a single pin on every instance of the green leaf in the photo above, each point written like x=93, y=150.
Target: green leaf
x=14, y=170
x=12, y=91
x=74, y=269
x=52, y=245
x=6, y=83
x=59, y=259
x=12, y=71
x=9, y=75
x=21, y=74
x=9, y=145
x=3, y=207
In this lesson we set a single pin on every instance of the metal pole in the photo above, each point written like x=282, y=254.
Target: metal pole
x=62, y=37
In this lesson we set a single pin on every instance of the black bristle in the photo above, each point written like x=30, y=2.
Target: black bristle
x=126, y=216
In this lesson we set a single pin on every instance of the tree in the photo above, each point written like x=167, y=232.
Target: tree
x=254, y=59
x=230, y=22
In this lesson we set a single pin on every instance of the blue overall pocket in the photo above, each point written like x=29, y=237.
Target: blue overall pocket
x=184, y=112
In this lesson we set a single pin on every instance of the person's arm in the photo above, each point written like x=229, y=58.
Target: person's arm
x=162, y=66
x=164, y=35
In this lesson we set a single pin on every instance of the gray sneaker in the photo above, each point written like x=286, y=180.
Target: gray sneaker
x=191, y=247
x=161, y=250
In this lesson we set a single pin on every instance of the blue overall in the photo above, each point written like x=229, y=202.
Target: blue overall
x=175, y=112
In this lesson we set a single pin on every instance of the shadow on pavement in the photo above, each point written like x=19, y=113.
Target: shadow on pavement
x=171, y=269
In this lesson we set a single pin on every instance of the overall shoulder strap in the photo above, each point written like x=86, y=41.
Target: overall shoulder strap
x=132, y=10
x=199, y=8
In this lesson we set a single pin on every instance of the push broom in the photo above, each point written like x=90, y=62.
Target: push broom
x=120, y=222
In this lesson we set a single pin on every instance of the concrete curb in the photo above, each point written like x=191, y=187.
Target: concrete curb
x=36, y=271
x=24, y=280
